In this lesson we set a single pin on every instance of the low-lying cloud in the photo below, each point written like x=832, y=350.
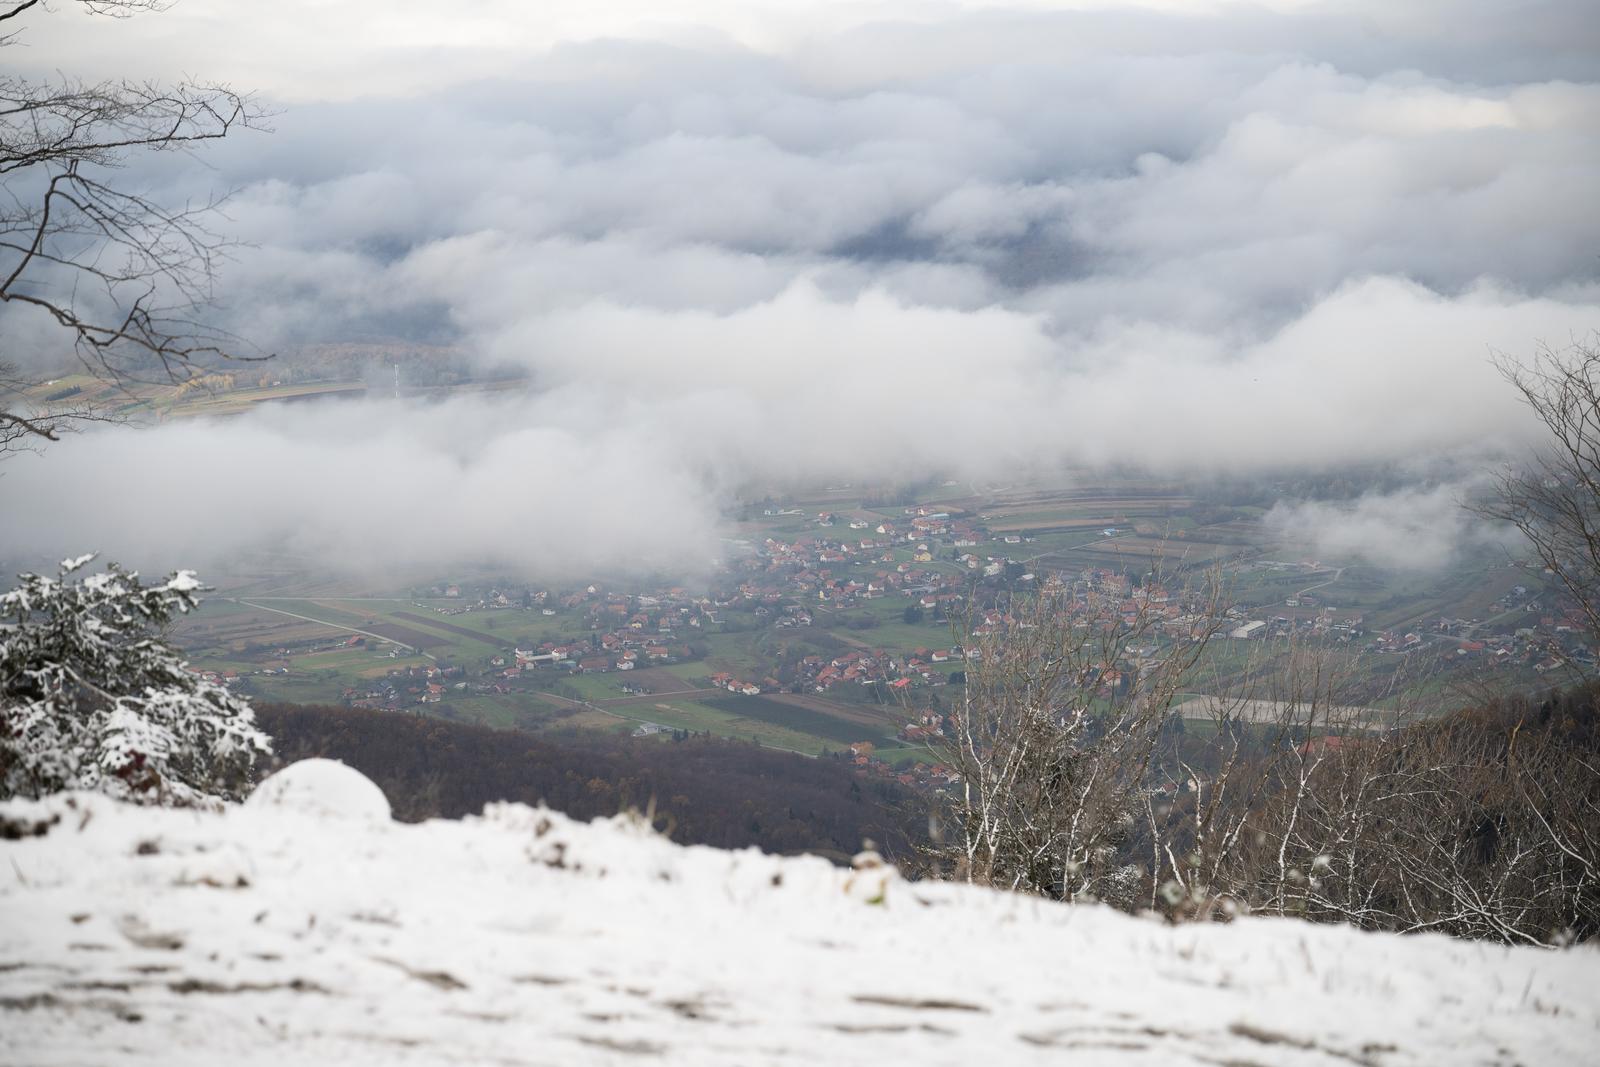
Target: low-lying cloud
x=748, y=248
x=368, y=488
x=647, y=424
x=1425, y=529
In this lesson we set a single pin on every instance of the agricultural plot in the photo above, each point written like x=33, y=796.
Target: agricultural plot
x=1052, y=522
x=696, y=716
x=406, y=635
x=689, y=674
x=501, y=628
x=294, y=688
x=736, y=653
x=232, y=402
x=871, y=717
x=659, y=680
x=1083, y=511
x=801, y=723
x=1207, y=708
x=889, y=628
x=440, y=624
x=354, y=662
x=317, y=609
x=902, y=753
x=436, y=636
x=799, y=719
x=1238, y=532
x=521, y=711
x=595, y=687
x=247, y=632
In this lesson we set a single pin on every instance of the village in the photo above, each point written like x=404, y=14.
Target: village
x=841, y=630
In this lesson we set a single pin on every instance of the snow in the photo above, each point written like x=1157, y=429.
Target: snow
x=322, y=787
x=155, y=732
x=302, y=928
x=183, y=582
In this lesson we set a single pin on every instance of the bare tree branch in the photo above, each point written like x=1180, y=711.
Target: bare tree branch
x=1554, y=498
x=124, y=277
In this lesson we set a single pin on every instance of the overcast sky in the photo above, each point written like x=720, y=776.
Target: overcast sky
x=766, y=243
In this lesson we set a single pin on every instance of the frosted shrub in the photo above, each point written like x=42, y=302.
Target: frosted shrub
x=92, y=697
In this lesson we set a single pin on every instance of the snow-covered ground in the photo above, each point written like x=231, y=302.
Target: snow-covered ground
x=305, y=927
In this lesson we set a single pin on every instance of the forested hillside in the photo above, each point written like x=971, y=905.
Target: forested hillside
x=704, y=790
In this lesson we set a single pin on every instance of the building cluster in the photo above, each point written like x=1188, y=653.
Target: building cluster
x=1523, y=633
x=922, y=775
x=830, y=568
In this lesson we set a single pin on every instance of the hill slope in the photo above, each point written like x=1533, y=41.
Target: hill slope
x=307, y=926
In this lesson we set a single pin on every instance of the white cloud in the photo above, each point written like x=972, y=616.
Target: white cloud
x=1411, y=529
x=369, y=487
x=752, y=244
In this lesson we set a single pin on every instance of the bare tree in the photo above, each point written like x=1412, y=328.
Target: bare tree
x=1067, y=695
x=1480, y=823
x=28, y=419
x=1257, y=761
x=1554, y=500
x=1473, y=825
x=118, y=274
x=1078, y=780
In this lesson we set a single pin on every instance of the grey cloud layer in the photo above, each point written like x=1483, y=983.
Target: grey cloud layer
x=1423, y=529
x=368, y=488
x=959, y=244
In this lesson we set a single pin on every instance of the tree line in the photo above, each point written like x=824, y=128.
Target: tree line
x=703, y=790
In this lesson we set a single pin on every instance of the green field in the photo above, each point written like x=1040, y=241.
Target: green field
x=744, y=718
x=596, y=687
x=799, y=719
x=695, y=716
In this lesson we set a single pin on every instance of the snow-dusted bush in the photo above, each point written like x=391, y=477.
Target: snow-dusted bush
x=92, y=697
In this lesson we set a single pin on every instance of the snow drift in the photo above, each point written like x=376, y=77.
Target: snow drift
x=305, y=927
